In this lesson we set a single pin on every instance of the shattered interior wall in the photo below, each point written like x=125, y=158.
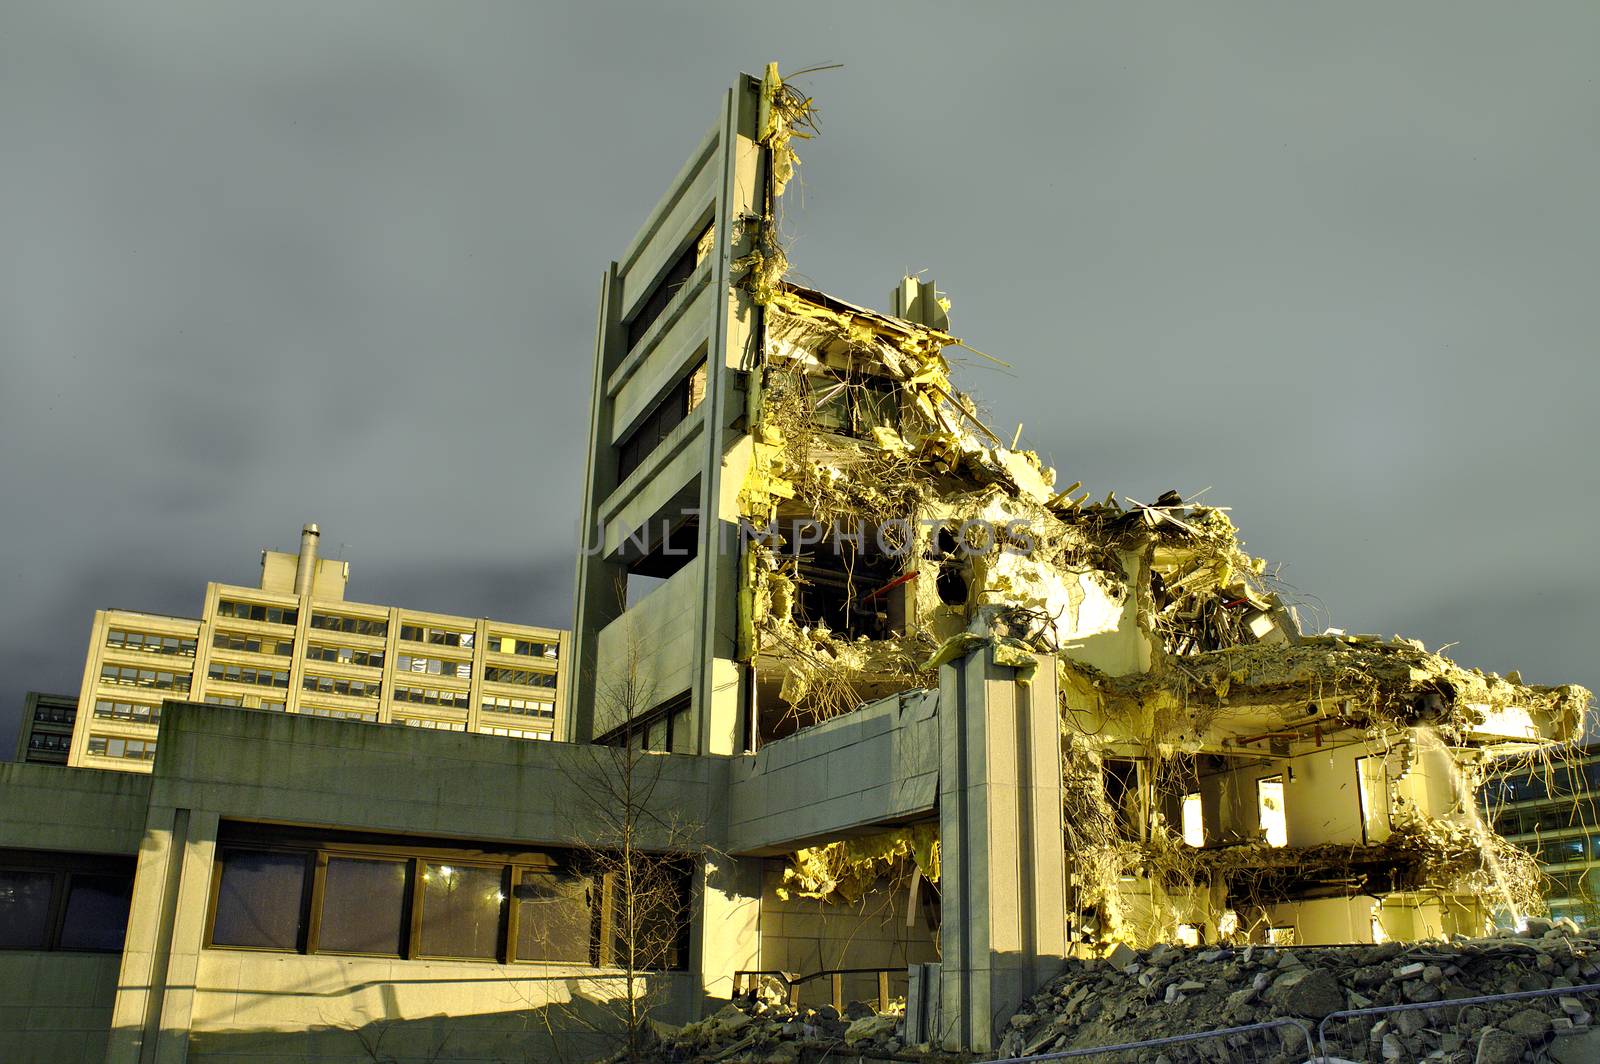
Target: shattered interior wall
x=889, y=529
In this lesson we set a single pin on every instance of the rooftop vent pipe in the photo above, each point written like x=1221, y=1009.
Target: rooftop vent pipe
x=306, y=569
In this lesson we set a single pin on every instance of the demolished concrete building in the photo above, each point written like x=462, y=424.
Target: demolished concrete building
x=808, y=545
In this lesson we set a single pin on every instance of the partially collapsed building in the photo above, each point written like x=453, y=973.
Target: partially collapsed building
x=808, y=545
x=904, y=706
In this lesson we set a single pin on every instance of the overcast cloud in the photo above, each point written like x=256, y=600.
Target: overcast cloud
x=269, y=263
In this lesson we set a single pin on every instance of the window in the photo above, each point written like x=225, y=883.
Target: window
x=657, y=425
x=310, y=891
x=129, y=749
x=372, y=659
x=554, y=913
x=134, y=677
x=664, y=728
x=272, y=707
x=246, y=674
x=525, y=677
x=1270, y=808
x=333, y=622
x=652, y=306
x=64, y=901
x=432, y=696
x=527, y=707
x=259, y=899
x=224, y=700
x=461, y=908
x=852, y=404
x=527, y=648
x=45, y=713
x=1372, y=777
x=151, y=643
x=444, y=637
x=364, y=906
x=251, y=611
x=461, y=670
x=252, y=644
x=330, y=685
x=137, y=712
x=96, y=916
x=25, y=900
x=1194, y=825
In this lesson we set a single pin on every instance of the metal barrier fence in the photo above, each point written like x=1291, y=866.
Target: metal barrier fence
x=1321, y=1053
x=1152, y=1043
x=1583, y=990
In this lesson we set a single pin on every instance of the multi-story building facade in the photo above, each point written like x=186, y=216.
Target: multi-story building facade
x=46, y=732
x=1552, y=810
x=293, y=644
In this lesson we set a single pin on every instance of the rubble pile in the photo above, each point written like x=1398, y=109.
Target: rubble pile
x=1169, y=990
x=770, y=1032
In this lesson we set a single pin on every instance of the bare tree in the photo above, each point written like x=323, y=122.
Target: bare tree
x=638, y=857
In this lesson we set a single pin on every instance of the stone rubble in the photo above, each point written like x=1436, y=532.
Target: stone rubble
x=768, y=1032
x=1168, y=990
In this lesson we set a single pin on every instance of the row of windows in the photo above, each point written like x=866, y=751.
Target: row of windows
x=48, y=713
x=251, y=611
x=462, y=670
x=380, y=900
x=63, y=901
x=525, y=677
x=254, y=644
x=346, y=656
x=1573, y=850
x=1572, y=813
x=246, y=674
x=432, y=725
x=1559, y=781
x=527, y=707
x=527, y=648
x=137, y=712
x=329, y=685
x=332, y=622
x=513, y=733
x=672, y=409
x=224, y=700
x=130, y=749
x=128, y=676
x=432, y=696
x=340, y=714
x=444, y=637
x=154, y=644
x=45, y=741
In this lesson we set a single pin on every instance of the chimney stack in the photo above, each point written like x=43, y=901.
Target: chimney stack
x=306, y=569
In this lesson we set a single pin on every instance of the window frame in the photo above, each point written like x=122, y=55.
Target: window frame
x=62, y=867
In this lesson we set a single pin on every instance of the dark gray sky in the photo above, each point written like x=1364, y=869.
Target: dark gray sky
x=269, y=263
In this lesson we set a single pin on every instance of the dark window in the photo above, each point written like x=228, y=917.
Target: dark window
x=97, y=913
x=461, y=909
x=554, y=916
x=331, y=622
x=667, y=414
x=63, y=901
x=250, y=611
x=25, y=899
x=259, y=900
x=666, y=289
x=363, y=906
x=525, y=677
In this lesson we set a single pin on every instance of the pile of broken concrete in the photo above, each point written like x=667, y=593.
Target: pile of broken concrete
x=1168, y=990
x=751, y=1031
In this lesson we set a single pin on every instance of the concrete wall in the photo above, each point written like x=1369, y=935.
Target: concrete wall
x=52, y=807
x=806, y=935
x=55, y=1007
x=878, y=765
x=653, y=643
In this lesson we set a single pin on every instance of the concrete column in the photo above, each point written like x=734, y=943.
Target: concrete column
x=1003, y=861
x=726, y=933
x=166, y=926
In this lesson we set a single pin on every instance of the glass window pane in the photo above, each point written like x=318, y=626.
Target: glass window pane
x=461, y=911
x=25, y=909
x=97, y=913
x=259, y=901
x=363, y=905
x=553, y=918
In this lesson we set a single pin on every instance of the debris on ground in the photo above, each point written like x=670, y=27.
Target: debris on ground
x=1169, y=990
x=756, y=1031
